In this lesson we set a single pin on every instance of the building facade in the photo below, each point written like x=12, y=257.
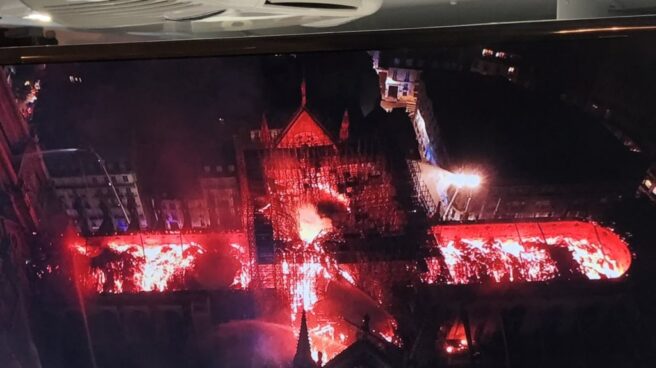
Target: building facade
x=220, y=193
x=648, y=186
x=215, y=205
x=398, y=78
x=85, y=193
x=401, y=86
x=500, y=63
x=581, y=201
x=23, y=181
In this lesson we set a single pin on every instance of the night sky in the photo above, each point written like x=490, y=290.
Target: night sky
x=517, y=137
x=546, y=132
x=170, y=117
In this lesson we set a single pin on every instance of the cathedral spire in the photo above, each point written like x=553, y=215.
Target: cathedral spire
x=303, y=92
x=265, y=134
x=303, y=356
x=344, y=128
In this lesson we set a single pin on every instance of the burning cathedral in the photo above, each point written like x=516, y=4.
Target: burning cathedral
x=334, y=230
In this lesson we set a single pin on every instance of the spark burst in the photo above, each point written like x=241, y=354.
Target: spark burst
x=243, y=277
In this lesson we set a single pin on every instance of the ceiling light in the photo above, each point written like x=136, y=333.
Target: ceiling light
x=39, y=17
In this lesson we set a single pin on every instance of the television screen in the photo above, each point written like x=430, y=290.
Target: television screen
x=486, y=205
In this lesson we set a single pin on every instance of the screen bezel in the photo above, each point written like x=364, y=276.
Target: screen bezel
x=338, y=41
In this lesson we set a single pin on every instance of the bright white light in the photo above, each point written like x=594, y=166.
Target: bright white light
x=462, y=180
x=39, y=17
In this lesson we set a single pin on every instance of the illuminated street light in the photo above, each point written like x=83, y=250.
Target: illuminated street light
x=101, y=163
x=464, y=180
x=39, y=17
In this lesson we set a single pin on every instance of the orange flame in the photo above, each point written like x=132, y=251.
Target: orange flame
x=243, y=277
x=152, y=266
x=307, y=269
x=311, y=224
x=480, y=252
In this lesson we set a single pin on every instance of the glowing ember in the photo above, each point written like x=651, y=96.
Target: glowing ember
x=310, y=194
x=527, y=252
x=307, y=270
x=475, y=260
x=134, y=267
x=339, y=197
x=456, y=341
x=322, y=339
x=304, y=276
x=243, y=277
x=389, y=337
x=328, y=183
x=311, y=224
x=593, y=262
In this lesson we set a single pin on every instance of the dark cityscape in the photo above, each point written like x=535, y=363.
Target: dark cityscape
x=488, y=205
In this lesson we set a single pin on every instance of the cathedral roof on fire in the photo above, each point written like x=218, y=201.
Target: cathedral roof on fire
x=304, y=129
x=367, y=353
x=303, y=356
x=370, y=351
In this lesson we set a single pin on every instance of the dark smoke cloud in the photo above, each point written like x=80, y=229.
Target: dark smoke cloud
x=330, y=209
x=253, y=343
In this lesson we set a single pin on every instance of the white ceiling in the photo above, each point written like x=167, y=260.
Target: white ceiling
x=393, y=14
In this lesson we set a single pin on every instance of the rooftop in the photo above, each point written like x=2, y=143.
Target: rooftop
x=83, y=164
x=518, y=136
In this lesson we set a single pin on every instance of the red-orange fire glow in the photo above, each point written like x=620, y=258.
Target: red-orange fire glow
x=334, y=194
x=456, y=341
x=310, y=198
x=307, y=270
x=243, y=277
x=527, y=252
x=311, y=224
x=323, y=339
x=135, y=267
